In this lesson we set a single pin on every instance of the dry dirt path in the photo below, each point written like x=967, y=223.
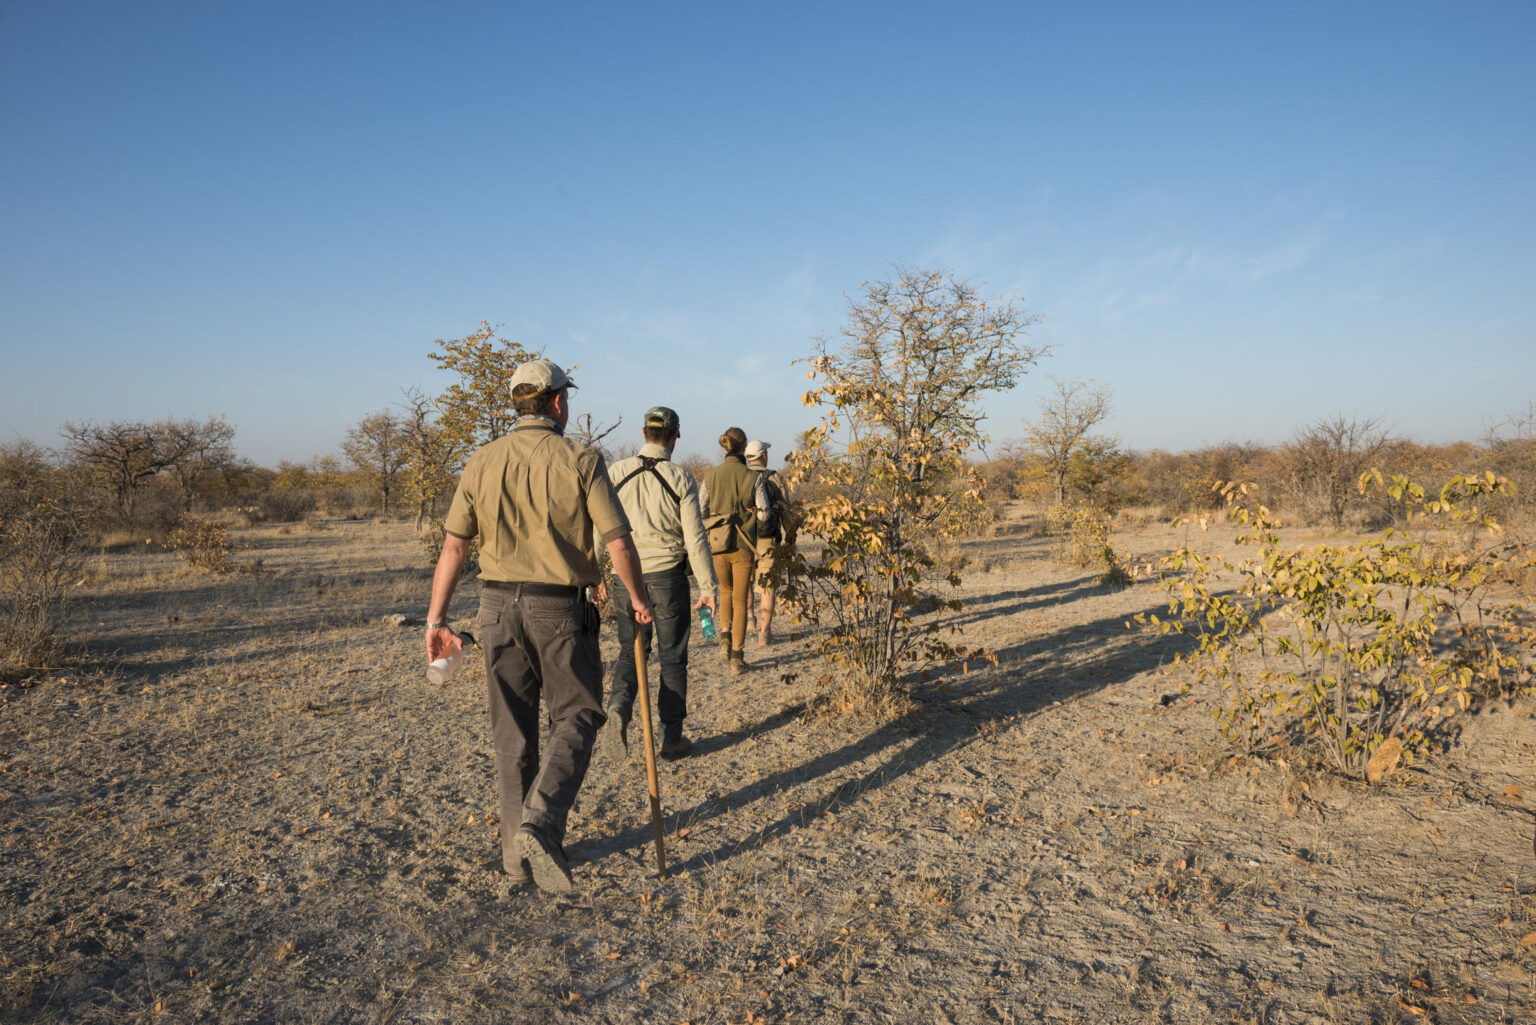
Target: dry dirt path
x=260, y=812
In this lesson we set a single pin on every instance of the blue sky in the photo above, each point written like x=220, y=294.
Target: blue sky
x=1236, y=217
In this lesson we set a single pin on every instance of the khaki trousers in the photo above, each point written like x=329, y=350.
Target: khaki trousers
x=735, y=572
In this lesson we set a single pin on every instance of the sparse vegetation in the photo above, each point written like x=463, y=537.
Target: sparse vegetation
x=39, y=558
x=920, y=352
x=991, y=860
x=1359, y=647
x=204, y=544
x=1058, y=802
x=377, y=447
x=1083, y=539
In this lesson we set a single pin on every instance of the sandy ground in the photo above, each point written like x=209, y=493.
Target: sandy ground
x=246, y=805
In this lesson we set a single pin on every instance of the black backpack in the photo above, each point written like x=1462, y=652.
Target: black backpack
x=772, y=526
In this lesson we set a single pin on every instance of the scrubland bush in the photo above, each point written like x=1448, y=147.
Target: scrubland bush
x=284, y=505
x=1311, y=484
x=1322, y=463
x=1364, y=651
x=1511, y=446
x=39, y=556
x=1183, y=482
x=204, y=544
x=1082, y=535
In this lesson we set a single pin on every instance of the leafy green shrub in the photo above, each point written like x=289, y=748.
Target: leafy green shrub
x=1358, y=648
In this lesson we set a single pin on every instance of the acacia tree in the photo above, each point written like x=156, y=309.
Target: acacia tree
x=885, y=474
x=477, y=408
x=1068, y=416
x=118, y=458
x=376, y=447
x=430, y=456
x=193, y=449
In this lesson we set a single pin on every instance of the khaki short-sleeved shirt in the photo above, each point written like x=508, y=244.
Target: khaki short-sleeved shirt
x=536, y=499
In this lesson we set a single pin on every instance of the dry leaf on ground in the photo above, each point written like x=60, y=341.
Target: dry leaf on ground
x=1387, y=755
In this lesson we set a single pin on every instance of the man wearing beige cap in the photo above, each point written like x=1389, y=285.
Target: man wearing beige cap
x=662, y=502
x=537, y=502
x=772, y=507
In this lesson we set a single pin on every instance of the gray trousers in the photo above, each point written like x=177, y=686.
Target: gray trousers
x=539, y=645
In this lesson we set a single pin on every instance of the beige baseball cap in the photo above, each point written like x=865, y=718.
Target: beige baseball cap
x=756, y=450
x=543, y=374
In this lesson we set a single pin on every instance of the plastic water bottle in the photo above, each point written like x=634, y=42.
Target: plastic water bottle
x=442, y=670
x=707, y=623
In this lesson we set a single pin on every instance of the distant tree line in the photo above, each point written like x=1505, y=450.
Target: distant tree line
x=1311, y=478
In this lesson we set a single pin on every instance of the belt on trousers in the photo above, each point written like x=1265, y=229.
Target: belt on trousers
x=538, y=590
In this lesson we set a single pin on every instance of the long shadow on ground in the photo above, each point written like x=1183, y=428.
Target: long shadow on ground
x=976, y=698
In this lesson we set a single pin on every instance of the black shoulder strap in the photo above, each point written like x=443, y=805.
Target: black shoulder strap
x=649, y=463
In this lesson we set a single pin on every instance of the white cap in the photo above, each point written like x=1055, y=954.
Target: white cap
x=543, y=374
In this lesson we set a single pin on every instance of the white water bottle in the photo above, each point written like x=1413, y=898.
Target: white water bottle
x=442, y=670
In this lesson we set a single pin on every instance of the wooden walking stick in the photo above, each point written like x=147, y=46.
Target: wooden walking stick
x=650, y=746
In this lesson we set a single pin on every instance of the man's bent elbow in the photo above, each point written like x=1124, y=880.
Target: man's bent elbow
x=455, y=551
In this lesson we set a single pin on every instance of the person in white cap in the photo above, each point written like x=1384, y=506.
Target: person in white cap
x=538, y=502
x=772, y=507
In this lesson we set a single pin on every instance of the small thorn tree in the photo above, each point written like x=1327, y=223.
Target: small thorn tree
x=477, y=408
x=885, y=476
x=1068, y=416
x=376, y=446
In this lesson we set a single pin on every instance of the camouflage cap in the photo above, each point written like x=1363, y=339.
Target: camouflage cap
x=662, y=418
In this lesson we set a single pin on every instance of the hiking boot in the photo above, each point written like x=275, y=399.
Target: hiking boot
x=674, y=745
x=725, y=644
x=763, y=638
x=615, y=737
x=546, y=860
x=738, y=662
x=518, y=875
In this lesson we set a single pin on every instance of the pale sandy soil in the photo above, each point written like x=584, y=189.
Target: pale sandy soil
x=246, y=805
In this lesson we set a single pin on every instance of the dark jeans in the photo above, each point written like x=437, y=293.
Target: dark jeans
x=670, y=598
x=539, y=645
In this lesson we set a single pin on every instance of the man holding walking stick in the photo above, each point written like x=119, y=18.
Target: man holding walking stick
x=661, y=500
x=537, y=502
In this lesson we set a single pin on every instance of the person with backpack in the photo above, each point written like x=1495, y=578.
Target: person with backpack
x=772, y=527
x=730, y=497
x=662, y=503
